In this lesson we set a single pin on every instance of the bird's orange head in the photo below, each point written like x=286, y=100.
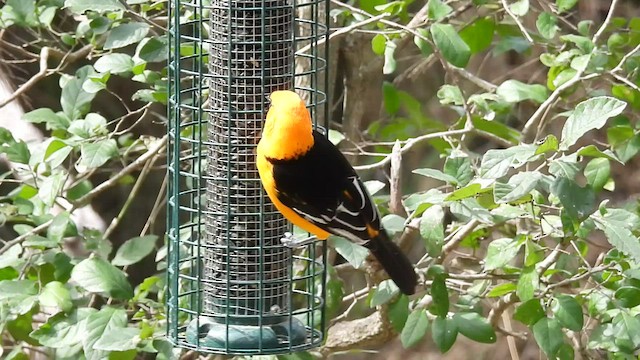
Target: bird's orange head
x=287, y=132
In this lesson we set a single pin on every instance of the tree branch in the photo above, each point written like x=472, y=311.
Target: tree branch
x=42, y=73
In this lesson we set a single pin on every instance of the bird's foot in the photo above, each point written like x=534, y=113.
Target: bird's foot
x=291, y=241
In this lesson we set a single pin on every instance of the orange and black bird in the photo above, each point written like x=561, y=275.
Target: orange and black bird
x=313, y=185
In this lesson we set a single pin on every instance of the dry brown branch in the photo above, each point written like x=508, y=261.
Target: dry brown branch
x=395, y=178
x=42, y=73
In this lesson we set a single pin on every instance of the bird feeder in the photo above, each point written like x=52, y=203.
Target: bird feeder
x=233, y=288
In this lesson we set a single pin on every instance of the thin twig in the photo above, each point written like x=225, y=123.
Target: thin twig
x=410, y=143
x=513, y=349
x=157, y=207
x=132, y=195
x=156, y=148
x=36, y=230
x=341, y=31
x=456, y=239
x=395, y=178
x=42, y=73
x=605, y=24
x=515, y=18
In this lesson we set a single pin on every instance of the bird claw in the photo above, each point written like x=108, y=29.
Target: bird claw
x=291, y=241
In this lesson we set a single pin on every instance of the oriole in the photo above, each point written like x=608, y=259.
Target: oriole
x=313, y=185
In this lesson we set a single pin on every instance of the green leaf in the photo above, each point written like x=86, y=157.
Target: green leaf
x=56, y=294
x=527, y=283
x=17, y=288
x=497, y=128
x=500, y=252
x=533, y=253
x=594, y=152
x=58, y=227
x=114, y=63
x=529, y=312
x=153, y=49
x=475, y=327
x=520, y=7
x=373, y=186
x=578, y=202
x=568, y=312
x=436, y=174
x=564, y=167
x=384, y=292
x=514, y=91
x=134, y=250
x=355, y=254
x=62, y=330
x=390, y=97
x=96, y=154
x=120, y=340
x=548, y=335
x=628, y=328
x=452, y=47
x=336, y=137
x=518, y=186
x=51, y=187
x=580, y=63
x=432, y=229
x=588, y=115
x=502, y=289
x=620, y=237
x=622, y=218
x=98, y=276
x=48, y=117
x=393, y=223
x=479, y=34
x=74, y=100
x=628, y=296
x=22, y=12
x=496, y=162
x=398, y=312
x=16, y=151
x=378, y=44
x=92, y=125
x=444, y=333
x=470, y=208
x=450, y=94
x=422, y=44
x=100, y=6
x=547, y=25
x=12, y=258
x=438, y=10
x=414, y=329
x=126, y=34
x=565, y=5
x=98, y=325
x=459, y=166
x=584, y=44
x=597, y=172
x=440, y=295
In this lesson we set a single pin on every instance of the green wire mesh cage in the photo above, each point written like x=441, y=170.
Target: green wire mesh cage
x=233, y=287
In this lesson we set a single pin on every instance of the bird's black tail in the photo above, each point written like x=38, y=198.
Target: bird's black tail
x=395, y=263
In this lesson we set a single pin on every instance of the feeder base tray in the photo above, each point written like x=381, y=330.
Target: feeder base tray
x=231, y=338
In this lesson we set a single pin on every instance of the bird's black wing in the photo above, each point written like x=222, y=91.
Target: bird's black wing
x=322, y=187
